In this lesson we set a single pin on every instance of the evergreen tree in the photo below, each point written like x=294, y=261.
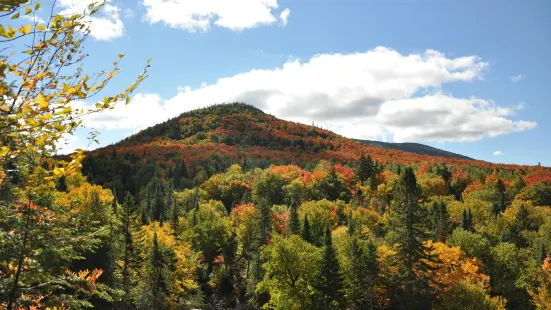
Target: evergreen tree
x=465, y=221
x=61, y=184
x=265, y=221
x=364, y=170
x=159, y=204
x=294, y=223
x=362, y=275
x=328, y=283
x=442, y=223
x=470, y=220
x=306, y=234
x=499, y=199
x=128, y=207
x=412, y=285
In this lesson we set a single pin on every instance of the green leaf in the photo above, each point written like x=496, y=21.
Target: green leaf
x=128, y=100
x=16, y=16
x=28, y=10
x=37, y=6
x=121, y=55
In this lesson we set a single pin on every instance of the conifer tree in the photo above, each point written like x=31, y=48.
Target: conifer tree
x=412, y=285
x=306, y=233
x=465, y=221
x=159, y=204
x=470, y=220
x=128, y=207
x=362, y=274
x=294, y=223
x=61, y=184
x=265, y=221
x=329, y=282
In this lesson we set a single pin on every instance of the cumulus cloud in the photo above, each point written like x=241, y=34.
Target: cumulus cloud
x=144, y=110
x=370, y=95
x=35, y=19
x=104, y=26
x=193, y=15
x=284, y=16
x=498, y=153
x=516, y=78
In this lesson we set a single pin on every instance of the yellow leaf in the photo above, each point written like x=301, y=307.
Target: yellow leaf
x=28, y=11
x=25, y=29
x=40, y=27
x=42, y=102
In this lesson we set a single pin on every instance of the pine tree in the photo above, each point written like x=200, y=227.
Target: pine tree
x=156, y=286
x=465, y=221
x=128, y=207
x=329, y=283
x=443, y=222
x=364, y=170
x=61, y=185
x=350, y=224
x=413, y=289
x=159, y=204
x=265, y=221
x=306, y=234
x=470, y=220
x=294, y=223
x=362, y=275
x=499, y=202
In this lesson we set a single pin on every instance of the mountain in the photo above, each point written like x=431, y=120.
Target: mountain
x=415, y=148
x=200, y=143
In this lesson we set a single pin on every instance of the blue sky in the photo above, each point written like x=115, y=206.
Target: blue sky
x=471, y=77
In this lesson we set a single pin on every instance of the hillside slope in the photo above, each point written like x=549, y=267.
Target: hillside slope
x=200, y=143
x=417, y=148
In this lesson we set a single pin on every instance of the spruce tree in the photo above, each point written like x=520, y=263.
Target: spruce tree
x=470, y=220
x=294, y=223
x=465, y=220
x=61, y=184
x=128, y=248
x=265, y=221
x=443, y=223
x=159, y=204
x=328, y=283
x=306, y=234
x=412, y=284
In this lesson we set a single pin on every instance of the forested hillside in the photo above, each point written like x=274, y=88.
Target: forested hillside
x=415, y=148
x=227, y=207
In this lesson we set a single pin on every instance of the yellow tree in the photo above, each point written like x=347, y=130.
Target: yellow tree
x=541, y=297
x=41, y=77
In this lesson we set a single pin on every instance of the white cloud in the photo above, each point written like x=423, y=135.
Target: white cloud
x=498, y=153
x=35, y=19
x=144, y=110
x=284, y=16
x=193, y=15
x=371, y=95
x=104, y=26
x=516, y=78
x=68, y=143
x=128, y=13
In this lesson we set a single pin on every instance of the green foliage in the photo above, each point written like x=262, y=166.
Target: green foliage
x=413, y=281
x=291, y=266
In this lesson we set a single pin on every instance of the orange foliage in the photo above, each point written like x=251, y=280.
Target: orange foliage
x=346, y=172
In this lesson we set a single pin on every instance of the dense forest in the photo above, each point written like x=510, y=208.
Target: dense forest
x=227, y=207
